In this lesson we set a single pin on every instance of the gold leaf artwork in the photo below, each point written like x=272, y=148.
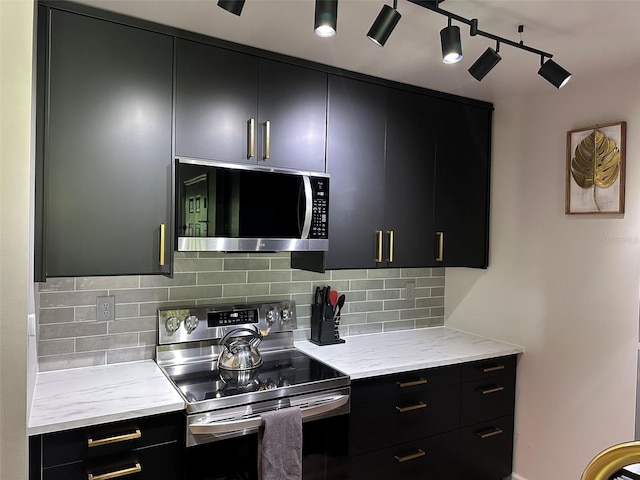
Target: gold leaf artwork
x=596, y=162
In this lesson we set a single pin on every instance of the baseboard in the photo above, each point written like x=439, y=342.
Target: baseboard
x=515, y=476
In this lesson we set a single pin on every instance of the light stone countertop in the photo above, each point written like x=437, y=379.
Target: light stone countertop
x=377, y=354
x=79, y=397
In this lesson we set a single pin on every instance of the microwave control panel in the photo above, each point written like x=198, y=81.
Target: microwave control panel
x=320, y=214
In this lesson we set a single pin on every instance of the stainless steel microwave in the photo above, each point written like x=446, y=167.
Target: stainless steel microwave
x=245, y=208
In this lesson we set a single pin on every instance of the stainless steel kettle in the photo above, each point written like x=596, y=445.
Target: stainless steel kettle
x=239, y=361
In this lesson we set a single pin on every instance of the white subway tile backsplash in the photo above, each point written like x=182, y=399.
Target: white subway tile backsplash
x=69, y=336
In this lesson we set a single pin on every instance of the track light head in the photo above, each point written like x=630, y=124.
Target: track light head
x=451, y=44
x=553, y=73
x=485, y=63
x=381, y=29
x=233, y=6
x=326, y=18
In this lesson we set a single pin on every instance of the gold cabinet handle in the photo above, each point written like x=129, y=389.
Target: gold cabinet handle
x=118, y=473
x=267, y=140
x=379, y=246
x=115, y=439
x=390, y=233
x=412, y=383
x=440, y=256
x=251, y=138
x=490, y=433
x=411, y=456
x=411, y=408
x=493, y=368
x=162, y=244
x=494, y=389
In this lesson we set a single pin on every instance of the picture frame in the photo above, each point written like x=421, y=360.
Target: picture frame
x=595, y=170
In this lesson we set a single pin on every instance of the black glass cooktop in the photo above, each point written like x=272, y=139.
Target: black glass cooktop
x=289, y=371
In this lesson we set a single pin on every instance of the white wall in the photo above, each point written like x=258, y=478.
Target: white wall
x=564, y=287
x=16, y=33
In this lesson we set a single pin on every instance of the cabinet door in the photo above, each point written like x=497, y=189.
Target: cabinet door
x=462, y=185
x=216, y=99
x=292, y=112
x=409, y=177
x=107, y=161
x=355, y=161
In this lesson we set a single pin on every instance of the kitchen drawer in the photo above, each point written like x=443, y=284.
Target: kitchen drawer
x=483, y=369
x=488, y=398
x=380, y=424
x=153, y=463
x=431, y=458
x=406, y=383
x=487, y=450
x=108, y=439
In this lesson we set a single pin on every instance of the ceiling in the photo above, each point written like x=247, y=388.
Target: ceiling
x=587, y=37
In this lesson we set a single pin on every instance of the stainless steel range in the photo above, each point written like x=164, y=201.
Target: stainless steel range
x=261, y=370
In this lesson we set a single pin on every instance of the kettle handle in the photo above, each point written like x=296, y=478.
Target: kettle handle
x=254, y=333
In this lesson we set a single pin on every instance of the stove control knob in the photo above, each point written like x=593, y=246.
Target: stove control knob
x=272, y=316
x=190, y=323
x=172, y=324
x=286, y=314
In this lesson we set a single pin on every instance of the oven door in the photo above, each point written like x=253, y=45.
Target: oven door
x=233, y=455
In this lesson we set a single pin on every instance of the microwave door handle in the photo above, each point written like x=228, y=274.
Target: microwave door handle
x=308, y=210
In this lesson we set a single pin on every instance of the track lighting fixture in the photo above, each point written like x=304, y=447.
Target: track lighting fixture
x=485, y=62
x=550, y=70
x=553, y=73
x=233, y=6
x=326, y=18
x=386, y=21
x=451, y=44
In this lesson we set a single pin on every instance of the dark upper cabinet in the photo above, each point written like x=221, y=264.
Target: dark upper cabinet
x=380, y=155
x=355, y=161
x=216, y=99
x=292, y=112
x=409, y=171
x=462, y=184
x=106, y=161
x=235, y=107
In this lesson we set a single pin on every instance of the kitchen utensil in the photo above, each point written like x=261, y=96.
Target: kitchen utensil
x=336, y=319
x=239, y=361
x=333, y=298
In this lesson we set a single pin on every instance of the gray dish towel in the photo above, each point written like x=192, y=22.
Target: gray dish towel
x=280, y=447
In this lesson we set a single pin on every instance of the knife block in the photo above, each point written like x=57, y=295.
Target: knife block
x=323, y=328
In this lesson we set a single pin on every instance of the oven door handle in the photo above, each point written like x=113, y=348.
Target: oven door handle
x=308, y=408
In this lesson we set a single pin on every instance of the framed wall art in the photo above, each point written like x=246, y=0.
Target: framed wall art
x=596, y=169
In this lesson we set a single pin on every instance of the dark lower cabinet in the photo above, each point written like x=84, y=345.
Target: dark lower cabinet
x=104, y=169
x=453, y=422
x=146, y=449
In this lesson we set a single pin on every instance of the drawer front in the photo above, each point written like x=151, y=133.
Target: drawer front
x=487, y=398
x=390, y=386
x=487, y=450
x=74, y=445
x=152, y=463
x=380, y=424
x=432, y=458
x=485, y=369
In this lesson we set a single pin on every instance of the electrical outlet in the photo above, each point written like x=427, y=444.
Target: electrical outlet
x=106, y=308
x=410, y=291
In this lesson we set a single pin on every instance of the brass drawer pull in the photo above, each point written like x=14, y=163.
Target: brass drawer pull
x=267, y=140
x=413, y=383
x=411, y=408
x=115, y=439
x=118, y=473
x=490, y=433
x=412, y=456
x=390, y=233
x=494, y=389
x=251, y=138
x=493, y=368
x=162, y=245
